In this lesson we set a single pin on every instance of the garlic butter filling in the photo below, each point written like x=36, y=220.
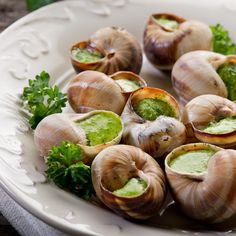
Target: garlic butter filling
x=101, y=128
x=222, y=126
x=151, y=108
x=134, y=187
x=227, y=73
x=192, y=161
x=167, y=22
x=128, y=85
x=86, y=55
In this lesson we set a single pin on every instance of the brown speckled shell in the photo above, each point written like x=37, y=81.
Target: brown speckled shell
x=210, y=196
x=163, y=45
x=54, y=129
x=156, y=137
x=195, y=73
x=121, y=50
x=93, y=90
x=114, y=166
x=203, y=109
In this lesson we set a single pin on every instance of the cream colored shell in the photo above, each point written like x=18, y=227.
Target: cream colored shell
x=204, y=109
x=121, y=50
x=54, y=129
x=195, y=73
x=93, y=90
x=163, y=45
x=114, y=166
x=156, y=137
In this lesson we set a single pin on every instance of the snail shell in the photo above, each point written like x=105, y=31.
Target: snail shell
x=121, y=51
x=154, y=137
x=93, y=90
x=204, y=109
x=114, y=166
x=54, y=129
x=195, y=73
x=164, y=45
x=211, y=195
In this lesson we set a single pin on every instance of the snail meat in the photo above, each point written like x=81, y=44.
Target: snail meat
x=202, y=178
x=129, y=181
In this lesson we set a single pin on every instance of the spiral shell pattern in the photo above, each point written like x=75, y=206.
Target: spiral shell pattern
x=211, y=196
x=163, y=45
x=121, y=50
x=114, y=166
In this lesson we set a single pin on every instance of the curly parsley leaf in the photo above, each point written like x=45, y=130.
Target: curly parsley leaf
x=222, y=43
x=41, y=99
x=67, y=171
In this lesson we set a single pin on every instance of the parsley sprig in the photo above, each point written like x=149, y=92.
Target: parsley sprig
x=67, y=171
x=41, y=99
x=222, y=43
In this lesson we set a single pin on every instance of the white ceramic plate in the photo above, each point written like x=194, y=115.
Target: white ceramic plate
x=41, y=41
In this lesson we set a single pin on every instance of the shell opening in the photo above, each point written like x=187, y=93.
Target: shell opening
x=86, y=53
x=191, y=159
x=227, y=73
x=168, y=22
x=100, y=128
x=221, y=126
x=152, y=103
x=134, y=187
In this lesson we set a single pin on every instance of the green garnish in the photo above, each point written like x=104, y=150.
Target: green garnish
x=67, y=171
x=222, y=43
x=41, y=99
x=227, y=73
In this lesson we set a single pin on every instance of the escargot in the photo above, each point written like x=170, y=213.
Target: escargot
x=93, y=90
x=212, y=119
x=202, y=178
x=108, y=50
x=129, y=181
x=167, y=37
x=92, y=131
x=204, y=72
x=151, y=122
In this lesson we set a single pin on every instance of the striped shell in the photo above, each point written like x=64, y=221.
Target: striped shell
x=121, y=51
x=114, y=166
x=203, y=109
x=164, y=45
x=54, y=129
x=210, y=196
x=195, y=73
x=156, y=137
x=93, y=90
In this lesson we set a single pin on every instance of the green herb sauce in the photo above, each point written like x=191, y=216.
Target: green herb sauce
x=192, y=161
x=168, y=23
x=151, y=108
x=128, y=85
x=85, y=55
x=222, y=126
x=227, y=73
x=101, y=128
x=133, y=187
